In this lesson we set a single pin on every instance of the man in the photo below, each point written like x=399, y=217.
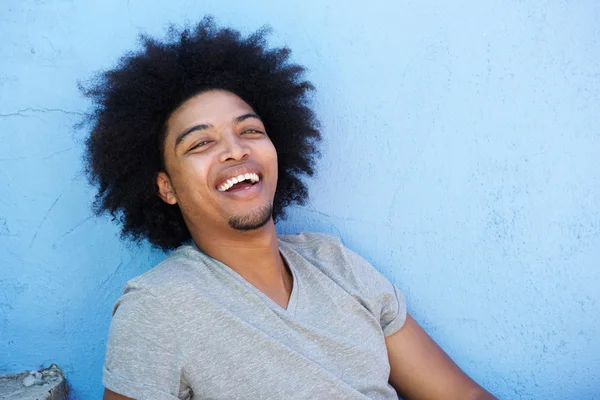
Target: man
x=198, y=144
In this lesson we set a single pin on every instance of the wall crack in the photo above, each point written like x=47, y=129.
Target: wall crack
x=24, y=112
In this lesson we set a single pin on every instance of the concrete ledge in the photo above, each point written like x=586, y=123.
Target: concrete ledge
x=46, y=384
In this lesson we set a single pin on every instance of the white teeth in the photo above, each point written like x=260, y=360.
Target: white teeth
x=240, y=178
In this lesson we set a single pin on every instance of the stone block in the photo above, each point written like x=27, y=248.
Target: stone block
x=46, y=384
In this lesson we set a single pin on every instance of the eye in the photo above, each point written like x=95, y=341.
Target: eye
x=199, y=145
x=252, y=131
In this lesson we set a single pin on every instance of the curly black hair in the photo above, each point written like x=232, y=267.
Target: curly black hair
x=132, y=103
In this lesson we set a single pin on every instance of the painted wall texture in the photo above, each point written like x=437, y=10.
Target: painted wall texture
x=461, y=157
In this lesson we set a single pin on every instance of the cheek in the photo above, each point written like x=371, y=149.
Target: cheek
x=271, y=154
x=191, y=177
x=274, y=165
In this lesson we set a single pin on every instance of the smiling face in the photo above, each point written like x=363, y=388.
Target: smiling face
x=221, y=167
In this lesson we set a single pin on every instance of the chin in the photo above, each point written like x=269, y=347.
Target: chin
x=252, y=220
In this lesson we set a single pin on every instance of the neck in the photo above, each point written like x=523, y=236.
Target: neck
x=252, y=254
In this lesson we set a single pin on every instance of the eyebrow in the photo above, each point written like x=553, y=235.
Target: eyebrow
x=246, y=116
x=183, y=134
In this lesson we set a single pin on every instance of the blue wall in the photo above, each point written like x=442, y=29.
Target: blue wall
x=461, y=157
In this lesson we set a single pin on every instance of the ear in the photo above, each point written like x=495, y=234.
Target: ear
x=165, y=188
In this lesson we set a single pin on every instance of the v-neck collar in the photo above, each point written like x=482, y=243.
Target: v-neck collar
x=291, y=306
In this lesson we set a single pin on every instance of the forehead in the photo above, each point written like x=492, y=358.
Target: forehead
x=213, y=107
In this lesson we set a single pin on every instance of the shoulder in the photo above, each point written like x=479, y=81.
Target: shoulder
x=353, y=274
x=177, y=263
x=166, y=283
x=312, y=243
x=323, y=251
x=328, y=254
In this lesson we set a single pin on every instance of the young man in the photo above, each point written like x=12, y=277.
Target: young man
x=198, y=144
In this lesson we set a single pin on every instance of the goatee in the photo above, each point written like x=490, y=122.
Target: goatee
x=252, y=220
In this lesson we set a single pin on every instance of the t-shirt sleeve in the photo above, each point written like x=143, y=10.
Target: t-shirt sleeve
x=383, y=298
x=141, y=354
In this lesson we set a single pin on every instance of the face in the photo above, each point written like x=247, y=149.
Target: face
x=221, y=167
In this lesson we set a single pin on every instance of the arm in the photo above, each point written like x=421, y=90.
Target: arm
x=421, y=370
x=108, y=395
x=141, y=350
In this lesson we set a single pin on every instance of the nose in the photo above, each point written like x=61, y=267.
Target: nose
x=234, y=147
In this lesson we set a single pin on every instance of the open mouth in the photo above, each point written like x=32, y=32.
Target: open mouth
x=240, y=182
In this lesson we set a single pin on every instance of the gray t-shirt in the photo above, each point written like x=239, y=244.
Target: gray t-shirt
x=192, y=328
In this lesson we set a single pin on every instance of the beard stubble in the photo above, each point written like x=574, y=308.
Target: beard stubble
x=253, y=220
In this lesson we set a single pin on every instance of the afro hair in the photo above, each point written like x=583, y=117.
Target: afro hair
x=133, y=101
